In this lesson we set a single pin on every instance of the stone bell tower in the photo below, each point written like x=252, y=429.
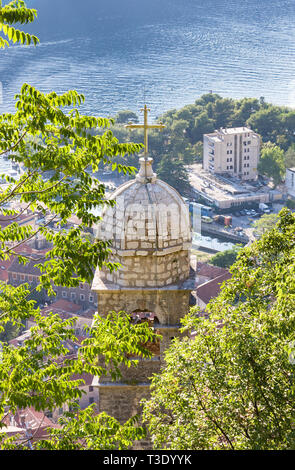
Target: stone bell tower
x=151, y=239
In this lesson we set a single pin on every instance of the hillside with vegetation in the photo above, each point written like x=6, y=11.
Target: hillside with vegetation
x=181, y=142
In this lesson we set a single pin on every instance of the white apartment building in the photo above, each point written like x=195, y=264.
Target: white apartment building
x=290, y=181
x=232, y=151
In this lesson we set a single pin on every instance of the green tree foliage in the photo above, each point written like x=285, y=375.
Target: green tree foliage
x=290, y=203
x=225, y=259
x=33, y=375
x=290, y=157
x=271, y=163
x=267, y=122
x=232, y=385
x=123, y=117
x=59, y=150
x=16, y=12
x=264, y=224
x=9, y=332
x=243, y=110
x=173, y=172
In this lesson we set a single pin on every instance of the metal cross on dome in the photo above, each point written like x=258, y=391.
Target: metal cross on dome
x=146, y=128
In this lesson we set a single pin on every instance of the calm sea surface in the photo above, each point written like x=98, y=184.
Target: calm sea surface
x=175, y=50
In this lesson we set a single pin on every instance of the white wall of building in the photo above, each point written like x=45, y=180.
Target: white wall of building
x=290, y=181
x=234, y=151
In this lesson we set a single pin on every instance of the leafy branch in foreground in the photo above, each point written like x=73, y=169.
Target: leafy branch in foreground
x=59, y=154
x=16, y=12
x=232, y=385
x=40, y=374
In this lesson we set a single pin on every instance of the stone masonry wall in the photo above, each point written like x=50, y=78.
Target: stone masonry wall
x=147, y=270
x=168, y=305
x=140, y=373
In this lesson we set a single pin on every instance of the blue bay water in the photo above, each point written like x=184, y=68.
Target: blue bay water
x=175, y=50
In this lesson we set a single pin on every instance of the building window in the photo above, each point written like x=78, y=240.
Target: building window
x=30, y=278
x=90, y=388
x=22, y=276
x=64, y=294
x=82, y=297
x=81, y=285
x=73, y=295
x=14, y=276
x=90, y=298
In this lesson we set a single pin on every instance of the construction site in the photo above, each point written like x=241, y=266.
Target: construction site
x=228, y=193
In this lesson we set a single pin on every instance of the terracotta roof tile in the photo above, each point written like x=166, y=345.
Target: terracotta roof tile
x=208, y=270
x=65, y=306
x=210, y=289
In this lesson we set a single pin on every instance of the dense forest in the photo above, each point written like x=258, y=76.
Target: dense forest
x=181, y=142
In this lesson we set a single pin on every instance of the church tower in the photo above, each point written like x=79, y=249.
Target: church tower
x=151, y=239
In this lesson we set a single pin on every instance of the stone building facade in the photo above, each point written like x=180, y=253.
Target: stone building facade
x=151, y=239
x=82, y=295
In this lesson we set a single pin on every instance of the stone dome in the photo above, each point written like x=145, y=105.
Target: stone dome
x=150, y=231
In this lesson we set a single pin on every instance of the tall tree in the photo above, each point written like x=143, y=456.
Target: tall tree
x=267, y=122
x=264, y=224
x=225, y=259
x=173, y=172
x=231, y=385
x=59, y=151
x=271, y=163
x=290, y=157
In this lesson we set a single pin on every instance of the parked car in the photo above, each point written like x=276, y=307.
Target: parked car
x=207, y=219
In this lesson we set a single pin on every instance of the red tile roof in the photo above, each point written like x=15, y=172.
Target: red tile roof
x=210, y=271
x=65, y=306
x=35, y=422
x=88, y=378
x=4, y=265
x=210, y=289
x=6, y=220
